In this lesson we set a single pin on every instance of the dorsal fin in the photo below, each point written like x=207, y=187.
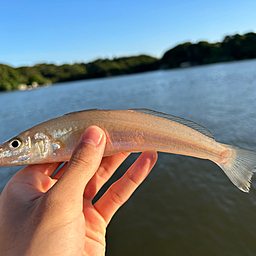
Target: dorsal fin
x=180, y=120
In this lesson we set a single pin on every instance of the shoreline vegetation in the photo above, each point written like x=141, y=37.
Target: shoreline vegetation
x=235, y=47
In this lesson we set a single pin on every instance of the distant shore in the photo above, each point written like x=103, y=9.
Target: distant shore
x=235, y=47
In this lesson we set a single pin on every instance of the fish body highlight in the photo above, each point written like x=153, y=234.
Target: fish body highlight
x=134, y=130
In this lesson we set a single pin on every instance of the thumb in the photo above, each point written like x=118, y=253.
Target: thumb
x=84, y=162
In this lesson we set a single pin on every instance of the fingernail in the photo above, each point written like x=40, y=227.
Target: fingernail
x=92, y=136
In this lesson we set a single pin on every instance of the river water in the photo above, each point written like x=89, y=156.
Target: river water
x=186, y=206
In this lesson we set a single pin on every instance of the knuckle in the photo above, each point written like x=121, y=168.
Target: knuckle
x=133, y=178
x=79, y=161
x=81, y=158
x=116, y=198
x=104, y=172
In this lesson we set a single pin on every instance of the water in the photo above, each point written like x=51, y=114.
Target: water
x=186, y=206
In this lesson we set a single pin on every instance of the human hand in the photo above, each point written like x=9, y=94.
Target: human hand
x=40, y=215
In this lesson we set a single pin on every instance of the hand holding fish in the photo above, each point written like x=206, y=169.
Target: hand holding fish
x=40, y=215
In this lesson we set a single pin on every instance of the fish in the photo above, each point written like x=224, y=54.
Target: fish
x=131, y=130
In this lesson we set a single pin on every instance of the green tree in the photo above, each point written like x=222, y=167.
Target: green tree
x=10, y=78
x=234, y=47
x=31, y=74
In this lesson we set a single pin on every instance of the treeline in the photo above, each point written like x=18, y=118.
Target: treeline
x=236, y=47
x=11, y=78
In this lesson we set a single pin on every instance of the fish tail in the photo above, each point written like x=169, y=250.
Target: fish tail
x=239, y=166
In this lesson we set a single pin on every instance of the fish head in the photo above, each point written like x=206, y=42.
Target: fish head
x=26, y=148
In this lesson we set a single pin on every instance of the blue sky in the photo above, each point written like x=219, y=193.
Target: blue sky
x=69, y=31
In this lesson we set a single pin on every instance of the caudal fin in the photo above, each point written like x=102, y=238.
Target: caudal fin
x=240, y=167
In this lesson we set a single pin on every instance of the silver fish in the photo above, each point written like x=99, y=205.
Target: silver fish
x=133, y=130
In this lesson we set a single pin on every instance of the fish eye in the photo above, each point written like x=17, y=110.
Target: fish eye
x=15, y=143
